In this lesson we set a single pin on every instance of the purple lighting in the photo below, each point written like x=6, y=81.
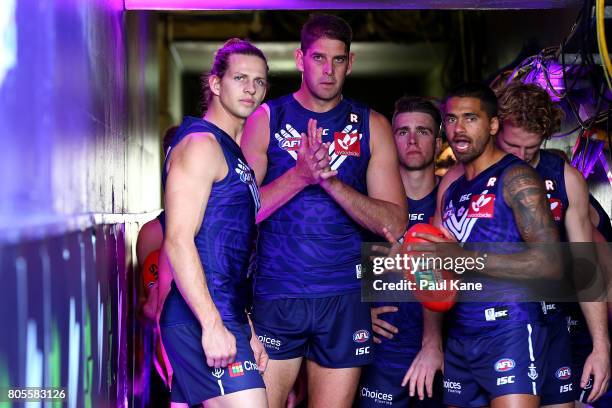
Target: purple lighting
x=233, y=4
x=343, y=4
x=549, y=76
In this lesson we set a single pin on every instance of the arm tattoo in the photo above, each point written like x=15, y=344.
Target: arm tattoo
x=525, y=193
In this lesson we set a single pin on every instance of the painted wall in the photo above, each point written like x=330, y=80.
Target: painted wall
x=80, y=165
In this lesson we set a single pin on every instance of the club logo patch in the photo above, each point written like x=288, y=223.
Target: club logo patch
x=347, y=144
x=556, y=207
x=533, y=372
x=217, y=372
x=481, y=206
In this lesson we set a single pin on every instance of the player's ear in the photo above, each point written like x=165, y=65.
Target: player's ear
x=494, y=124
x=351, y=59
x=214, y=84
x=438, y=146
x=299, y=59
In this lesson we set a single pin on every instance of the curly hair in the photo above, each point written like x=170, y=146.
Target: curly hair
x=529, y=107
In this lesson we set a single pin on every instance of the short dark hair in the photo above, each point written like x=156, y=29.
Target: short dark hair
x=325, y=26
x=221, y=62
x=419, y=104
x=477, y=90
x=529, y=107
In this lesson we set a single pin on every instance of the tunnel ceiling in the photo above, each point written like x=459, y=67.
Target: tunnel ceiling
x=346, y=4
x=405, y=26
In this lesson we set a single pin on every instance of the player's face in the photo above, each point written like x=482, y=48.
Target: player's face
x=468, y=127
x=414, y=134
x=324, y=66
x=519, y=142
x=243, y=87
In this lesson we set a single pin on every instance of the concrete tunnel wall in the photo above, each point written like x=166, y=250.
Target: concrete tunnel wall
x=78, y=124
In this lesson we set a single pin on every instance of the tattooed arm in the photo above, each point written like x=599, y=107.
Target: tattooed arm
x=525, y=194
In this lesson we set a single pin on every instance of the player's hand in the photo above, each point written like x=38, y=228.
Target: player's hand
x=219, y=344
x=381, y=327
x=597, y=364
x=448, y=237
x=319, y=153
x=259, y=351
x=149, y=307
x=420, y=376
x=313, y=160
x=389, y=251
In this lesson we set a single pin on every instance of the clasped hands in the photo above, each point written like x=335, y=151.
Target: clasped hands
x=313, y=159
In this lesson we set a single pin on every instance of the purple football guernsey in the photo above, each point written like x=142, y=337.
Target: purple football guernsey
x=409, y=317
x=224, y=240
x=310, y=247
x=551, y=168
x=475, y=211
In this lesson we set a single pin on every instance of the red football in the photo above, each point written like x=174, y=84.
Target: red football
x=150, y=270
x=442, y=298
x=424, y=229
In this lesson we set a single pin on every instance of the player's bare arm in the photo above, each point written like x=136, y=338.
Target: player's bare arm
x=579, y=229
x=195, y=164
x=385, y=204
x=525, y=193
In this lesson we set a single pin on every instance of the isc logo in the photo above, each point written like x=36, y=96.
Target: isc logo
x=505, y=380
x=565, y=388
x=361, y=336
x=465, y=197
x=417, y=217
x=362, y=350
x=491, y=314
x=505, y=364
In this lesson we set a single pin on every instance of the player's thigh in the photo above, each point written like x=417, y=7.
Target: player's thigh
x=516, y=401
x=279, y=377
x=331, y=387
x=255, y=398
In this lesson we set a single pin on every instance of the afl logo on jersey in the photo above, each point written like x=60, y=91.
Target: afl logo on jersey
x=564, y=373
x=290, y=143
x=505, y=364
x=361, y=336
x=347, y=144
